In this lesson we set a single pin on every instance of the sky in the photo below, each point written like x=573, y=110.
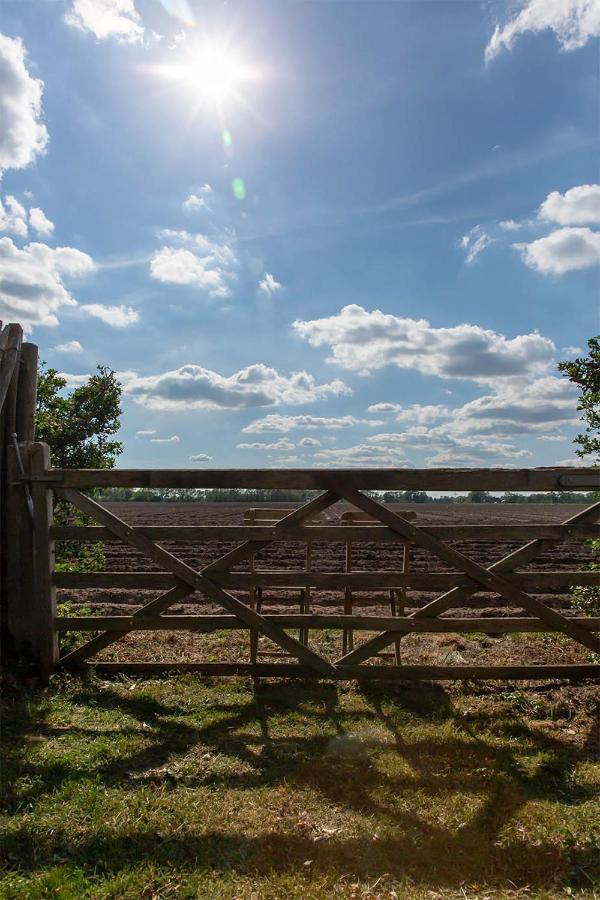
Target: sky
x=308, y=233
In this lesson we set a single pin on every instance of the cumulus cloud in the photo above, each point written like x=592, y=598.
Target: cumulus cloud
x=283, y=424
x=13, y=216
x=104, y=19
x=195, y=260
x=474, y=242
x=23, y=136
x=200, y=457
x=69, y=347
x=579, y=205
x=117, y=316
x=309, y=442
x=564, y=250
x=268, y=285
x=573, y=22
x=194, y=387
x=364, y=341
x=31, y=281
x=282, y=444
x=39, y=221
x=145, y=432
x=174, y=439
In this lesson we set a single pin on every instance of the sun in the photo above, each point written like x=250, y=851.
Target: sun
x=212, y=71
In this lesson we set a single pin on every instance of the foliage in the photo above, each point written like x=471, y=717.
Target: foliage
x=78, y=426
x=586, y=599
x=585, y=373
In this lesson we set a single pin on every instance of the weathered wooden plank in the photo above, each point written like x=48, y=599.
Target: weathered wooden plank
x=9, y=358
x=329, y=533
x=541, y=479
x=19, y=596
x=543, y=582
x=197, y=580
x=27, y=393
x=404, y=625
x=44, y=638
x=478, y=573
x=351, y=673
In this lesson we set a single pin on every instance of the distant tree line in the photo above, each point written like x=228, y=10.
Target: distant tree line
x=242, y=495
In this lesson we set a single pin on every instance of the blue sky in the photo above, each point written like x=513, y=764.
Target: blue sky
x=307, y=234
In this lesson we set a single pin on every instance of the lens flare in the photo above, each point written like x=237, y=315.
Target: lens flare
x=211, y=71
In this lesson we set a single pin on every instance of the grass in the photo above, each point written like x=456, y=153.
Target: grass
x=186, y=787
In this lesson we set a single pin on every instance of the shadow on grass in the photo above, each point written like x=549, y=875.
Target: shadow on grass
x=326, y=749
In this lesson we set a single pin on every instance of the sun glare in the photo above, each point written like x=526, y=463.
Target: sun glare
x=213, y=72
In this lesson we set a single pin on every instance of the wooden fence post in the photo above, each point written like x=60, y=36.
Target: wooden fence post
x=44, y=638
x=27, y=394
x=19, y=582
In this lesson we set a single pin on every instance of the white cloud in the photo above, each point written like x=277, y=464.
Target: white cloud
x=577, y=461
x=579, y=205
x=39, y=221
x=174, y=439
x=474, y=242
x=13, y=216
x=362, y=340
x=195, y=260
x=117, y=316
x=564, y=250
x=423, y=414
x=510, y=225
x=145, y=432
x=447, y=448
x=197, y=201
x=384, y=407
x=268, y=285
x=201, y=457
x=572, y=350
x=282, y=444
x=573, y=22
x=284, y=424
x=309, y=442
x=69, y=347
x=104, y=19
x=22, y=136
x=362, y=455
x=194, y=387
x=31, y=281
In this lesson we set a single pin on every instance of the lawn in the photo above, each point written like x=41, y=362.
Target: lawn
x=191, y=787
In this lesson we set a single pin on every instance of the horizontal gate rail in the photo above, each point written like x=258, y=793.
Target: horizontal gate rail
x=207, y=623
x=543, y=479
x=335, y=533
x=541, y=582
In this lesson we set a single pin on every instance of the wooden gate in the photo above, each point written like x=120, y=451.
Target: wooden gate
x=221, y=583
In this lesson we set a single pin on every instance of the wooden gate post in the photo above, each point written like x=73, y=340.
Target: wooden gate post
x=43, y=633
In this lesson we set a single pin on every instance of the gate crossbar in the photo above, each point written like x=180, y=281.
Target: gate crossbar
x=486, y=577
x=198, y=581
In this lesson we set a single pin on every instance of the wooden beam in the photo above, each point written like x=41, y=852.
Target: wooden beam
x=362, y=673
x=43, y=636
x=541, y=582
x=404, y=625
x=544, y=479
x=329, y=533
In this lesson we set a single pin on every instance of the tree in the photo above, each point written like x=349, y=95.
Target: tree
x=79, y=426
x=585, y=373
